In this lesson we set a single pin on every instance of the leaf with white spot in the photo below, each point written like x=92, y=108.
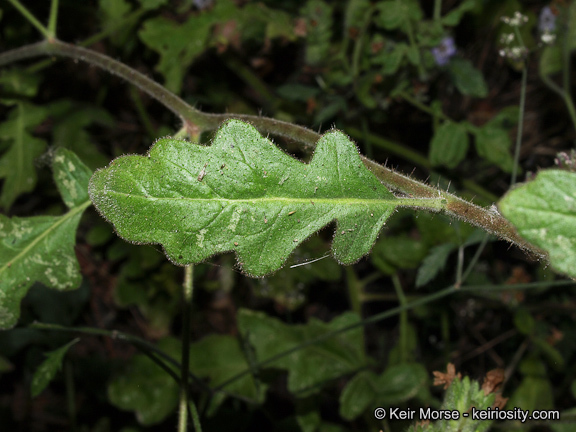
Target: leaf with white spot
x=244, y=194
x=41, y=248
x=544, y=213
x=48, y=369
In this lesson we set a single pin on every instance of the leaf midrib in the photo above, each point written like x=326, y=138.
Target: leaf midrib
x=288, y=200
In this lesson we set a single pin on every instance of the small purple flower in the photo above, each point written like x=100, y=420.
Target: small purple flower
x=547, y=20
x=444, y=51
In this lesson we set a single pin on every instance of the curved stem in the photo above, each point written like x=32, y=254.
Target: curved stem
x=196, y=121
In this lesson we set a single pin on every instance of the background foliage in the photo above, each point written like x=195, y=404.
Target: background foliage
x=421, y=87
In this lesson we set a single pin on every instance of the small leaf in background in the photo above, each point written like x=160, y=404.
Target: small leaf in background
x=467, y=79
x=449, y=144
x=48, y=369
x=114, y=14
x=454, y=17
x=145, y=388
x=544, y=213
x=41, y=248
x=390, y=58
x=219, y=358
x=312, y=365
x=359, y=394
x=242, y=193
x=355, y=16
x=434, y=262
x=524, y=322
x=397, y=252
x=17, y=163
x=493, y=144
x=71, y=177
x=535, y=391
x=18, y=82
x=318, y=16
x=152, y=4
x=400, y=383
x=551, y=60
x=395, y=14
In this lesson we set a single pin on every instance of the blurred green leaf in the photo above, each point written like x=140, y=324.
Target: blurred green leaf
x=145, y=388
x=179, y=44
x=297, y=92
x=318, y=16
x=400, y=383
x=454, y=17
x=434, y=262
x=310, y=366
x=48, y=369
x=544, y=213
x=468, y=80
x=449, y=144
x=391, y=59
x=493, y=144
x=219, y=358
x=17, y=163
x=394, y=14
x=18, y=82
x=550, y=60
x=524, y=321
x=359, y=394
x=397, y=252
x=533, y=393
x=152, y=4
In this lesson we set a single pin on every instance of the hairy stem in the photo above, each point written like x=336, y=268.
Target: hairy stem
x=196, y=121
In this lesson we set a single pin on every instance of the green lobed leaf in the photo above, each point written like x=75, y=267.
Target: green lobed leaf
x=544, y=213
x=312, y=365
x=242, y=193
x=48, y=369
x=449, y=144
x=41, y=248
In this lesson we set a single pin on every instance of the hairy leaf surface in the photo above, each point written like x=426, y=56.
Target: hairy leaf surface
x=41, y=248
x=244, y=194
x=544, y=213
